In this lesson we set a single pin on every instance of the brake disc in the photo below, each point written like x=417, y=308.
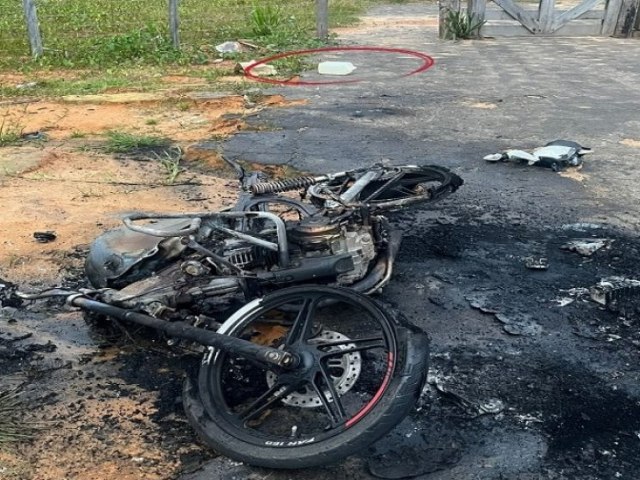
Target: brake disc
x=344, y=370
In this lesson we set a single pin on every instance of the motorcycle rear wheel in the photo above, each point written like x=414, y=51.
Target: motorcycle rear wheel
x=397, y=187
x=351, y=350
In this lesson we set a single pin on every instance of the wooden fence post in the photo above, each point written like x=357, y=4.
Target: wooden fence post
x=322, y=19
x=627, y=18
x=174, y=23
x=611, y=13
x=444, y=7
x=33, y=27
x=476, y=9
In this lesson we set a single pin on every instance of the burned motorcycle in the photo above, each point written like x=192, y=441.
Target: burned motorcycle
x=309, y=369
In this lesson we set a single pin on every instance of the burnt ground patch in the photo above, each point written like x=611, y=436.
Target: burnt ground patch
x=561, y=400
x=589, y=427
x=156, y=368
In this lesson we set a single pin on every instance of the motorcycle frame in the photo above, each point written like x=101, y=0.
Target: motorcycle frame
x=251, y=197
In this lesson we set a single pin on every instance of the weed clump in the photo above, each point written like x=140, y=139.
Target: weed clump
x=10, y=134
x=461, y=25
x=122, y=142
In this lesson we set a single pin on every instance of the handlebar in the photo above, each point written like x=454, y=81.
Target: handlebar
x=194, y=226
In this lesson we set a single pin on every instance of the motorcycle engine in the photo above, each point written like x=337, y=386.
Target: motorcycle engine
x=319, y=237
x=310, y=239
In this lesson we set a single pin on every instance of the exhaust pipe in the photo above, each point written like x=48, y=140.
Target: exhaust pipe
x=380, y=274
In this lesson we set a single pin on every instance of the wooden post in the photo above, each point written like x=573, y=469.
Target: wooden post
x=33, y=27
x=322, y=19
x=546, y=15
x=475, y=10
x=174, y=23
x=627, y=18
x=611, y=12
x=444, y=7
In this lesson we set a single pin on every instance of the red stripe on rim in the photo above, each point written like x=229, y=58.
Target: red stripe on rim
x=427, y=62
x=385, y=382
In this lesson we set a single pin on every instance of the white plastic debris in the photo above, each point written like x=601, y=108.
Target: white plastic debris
x=556, y=155
x=336, y=68
x=512, y=155
x=230, y=47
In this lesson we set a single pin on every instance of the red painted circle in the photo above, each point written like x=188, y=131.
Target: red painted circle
x=427, y=62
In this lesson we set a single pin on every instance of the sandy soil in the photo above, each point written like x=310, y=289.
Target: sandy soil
x=71, y=187
x=103, y=411
x=368, y=24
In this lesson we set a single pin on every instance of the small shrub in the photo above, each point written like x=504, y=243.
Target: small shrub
x=170, y=161
x=460, y=25
x=148, y=44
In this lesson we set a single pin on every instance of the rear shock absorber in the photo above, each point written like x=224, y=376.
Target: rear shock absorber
x=285, y=185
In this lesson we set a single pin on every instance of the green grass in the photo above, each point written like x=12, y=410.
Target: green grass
x=110, y=45
x=140, y=78
x=122, y=142
x=106, y=33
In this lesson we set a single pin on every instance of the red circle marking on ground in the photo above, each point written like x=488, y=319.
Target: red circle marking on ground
x=427, y=62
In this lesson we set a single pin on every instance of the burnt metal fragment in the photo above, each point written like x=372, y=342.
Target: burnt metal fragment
x=44, y=237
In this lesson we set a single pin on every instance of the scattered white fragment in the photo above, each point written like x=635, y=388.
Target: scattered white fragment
x=563, y=302
x=527, y=419
x=230, y=47
x=22, y=86
x=262, y=70
x=336, y=68
x=492, y=406
x=536, y=263
x=587, y=246
x=577, y=291
x=581, y=226
x=494, y=157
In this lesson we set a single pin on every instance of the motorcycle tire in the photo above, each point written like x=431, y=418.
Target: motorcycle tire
x=341, y=428
x=398, y=187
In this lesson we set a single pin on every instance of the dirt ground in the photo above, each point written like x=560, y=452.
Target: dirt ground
x=66, y=182
x=94, y=403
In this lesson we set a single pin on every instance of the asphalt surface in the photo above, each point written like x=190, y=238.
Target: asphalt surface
x=560, y=383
